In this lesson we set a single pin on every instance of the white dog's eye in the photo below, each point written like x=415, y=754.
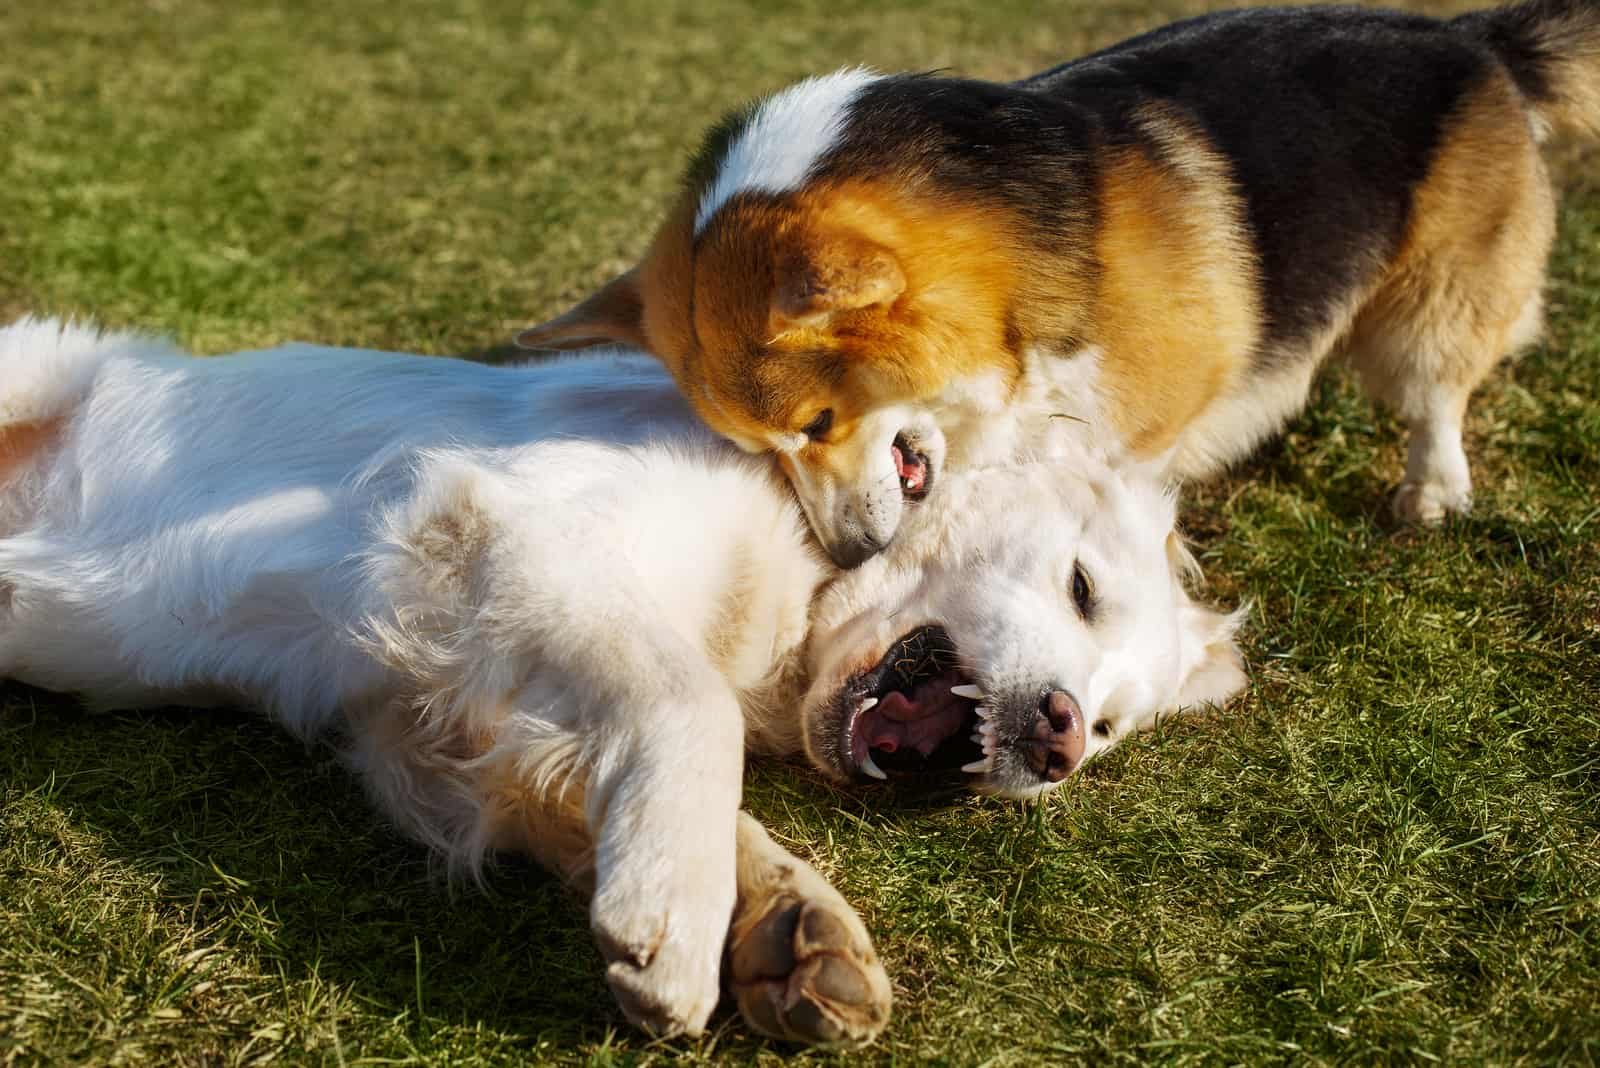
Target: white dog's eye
x=1082, y=591
x=818, y=428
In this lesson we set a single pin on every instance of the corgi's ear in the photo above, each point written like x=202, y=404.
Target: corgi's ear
x=828, y=273
x=1212, y=670
x=614, y=315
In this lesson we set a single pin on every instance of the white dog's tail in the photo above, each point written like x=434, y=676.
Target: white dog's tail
x=46, y=369
x=46, y=366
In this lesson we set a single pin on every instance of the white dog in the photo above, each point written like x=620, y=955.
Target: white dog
x=544, y=610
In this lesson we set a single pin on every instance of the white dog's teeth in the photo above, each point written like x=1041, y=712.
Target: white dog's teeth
x=977, y=766
x=868, y=703
x=977, y=739
x=872, y=769
x=967, y=690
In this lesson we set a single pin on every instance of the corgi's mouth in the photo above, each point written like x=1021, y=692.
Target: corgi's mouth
x=911, y=465
x=916, y=711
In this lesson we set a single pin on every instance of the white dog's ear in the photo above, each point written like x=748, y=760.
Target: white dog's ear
x=1212, y=669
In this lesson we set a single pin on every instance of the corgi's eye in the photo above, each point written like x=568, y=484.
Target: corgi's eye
x=818, y=428
x=1082, y=591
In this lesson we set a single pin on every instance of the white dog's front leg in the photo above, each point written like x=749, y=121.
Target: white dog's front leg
x=664, y=815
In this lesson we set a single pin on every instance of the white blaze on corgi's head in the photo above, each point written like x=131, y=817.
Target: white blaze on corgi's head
x=778, y=143
x=817, y=309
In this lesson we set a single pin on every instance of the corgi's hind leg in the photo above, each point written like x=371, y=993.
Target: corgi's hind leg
x=1464, y=293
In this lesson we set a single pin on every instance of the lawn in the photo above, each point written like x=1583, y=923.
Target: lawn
x=1387, y=851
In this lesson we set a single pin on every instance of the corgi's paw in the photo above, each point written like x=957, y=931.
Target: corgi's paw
x=1430, y=503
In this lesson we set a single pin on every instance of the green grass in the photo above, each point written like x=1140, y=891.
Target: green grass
x=1387, y=852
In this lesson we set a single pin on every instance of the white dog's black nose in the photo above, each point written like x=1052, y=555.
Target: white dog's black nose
x=1053, y=746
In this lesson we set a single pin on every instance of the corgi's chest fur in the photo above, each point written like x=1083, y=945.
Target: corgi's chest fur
x=1055, y=408
x=1059, y=409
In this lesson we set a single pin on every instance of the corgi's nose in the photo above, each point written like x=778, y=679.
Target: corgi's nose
x=1053, y=746
x=862, y=529
x=855, y=551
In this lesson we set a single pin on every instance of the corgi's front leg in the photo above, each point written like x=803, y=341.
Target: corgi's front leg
x=664, y=815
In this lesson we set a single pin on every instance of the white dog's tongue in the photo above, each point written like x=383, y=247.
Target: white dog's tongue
x=929, y=716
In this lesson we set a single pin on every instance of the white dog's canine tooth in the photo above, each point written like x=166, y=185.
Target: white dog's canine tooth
x=977, y=766
x=969, y=691
x=868, y=703
x=872, y=769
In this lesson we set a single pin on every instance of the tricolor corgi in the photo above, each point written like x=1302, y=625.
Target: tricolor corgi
x=1148, y=252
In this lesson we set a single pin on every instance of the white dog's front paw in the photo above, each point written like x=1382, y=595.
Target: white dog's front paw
x=663, y=948
x=801, y=964
x=1428, y=503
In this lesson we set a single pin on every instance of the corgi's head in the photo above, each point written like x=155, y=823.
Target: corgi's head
x=826, y=327
x=823, y=312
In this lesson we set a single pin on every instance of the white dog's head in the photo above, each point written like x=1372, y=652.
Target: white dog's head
x=1030, y=619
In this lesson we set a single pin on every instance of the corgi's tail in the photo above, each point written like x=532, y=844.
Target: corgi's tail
x=1552, y=48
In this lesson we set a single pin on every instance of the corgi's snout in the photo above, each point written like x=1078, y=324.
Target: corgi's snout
x=862, y=519
x=861, y=532
x=857, y=519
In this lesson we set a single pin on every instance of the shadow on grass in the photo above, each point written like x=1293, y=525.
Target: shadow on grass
x=275, y=845
x=505, y=352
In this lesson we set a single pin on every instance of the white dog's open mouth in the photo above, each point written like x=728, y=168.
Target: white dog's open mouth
x=916, y=711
